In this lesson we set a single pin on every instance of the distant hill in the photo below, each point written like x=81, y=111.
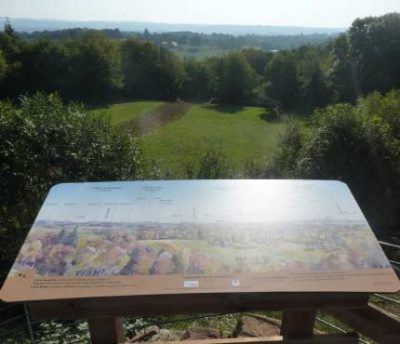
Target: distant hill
x=30, y=25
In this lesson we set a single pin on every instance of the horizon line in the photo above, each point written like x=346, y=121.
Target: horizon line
x=174, y=23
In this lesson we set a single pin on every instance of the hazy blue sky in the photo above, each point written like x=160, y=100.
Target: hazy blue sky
x=321, y=13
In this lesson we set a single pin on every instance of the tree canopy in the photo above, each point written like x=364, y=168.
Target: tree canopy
x=93, y=66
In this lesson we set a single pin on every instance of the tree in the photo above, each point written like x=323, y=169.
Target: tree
x=170, y=75
x=45, y=142
x=196, y=81
x=146, y=34
x=44, y=67
x=314, y=87
x=343, y=77
x=149, y=71
x=94, y=68
x=375, y=46
x=8, y=29
x=11, y=47
x=211, y=164
x=257, y=59
x=284, y=161
x=232, y=79
x=283, y=83
x=3, y=66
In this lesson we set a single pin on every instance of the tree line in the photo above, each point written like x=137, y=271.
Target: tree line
x=194, y=39
x=93, y=67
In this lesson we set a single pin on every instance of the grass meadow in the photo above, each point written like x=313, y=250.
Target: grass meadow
x=243, y=134
x=123, y=112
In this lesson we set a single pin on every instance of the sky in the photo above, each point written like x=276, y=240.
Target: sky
x=241, y=201
x=309, y=13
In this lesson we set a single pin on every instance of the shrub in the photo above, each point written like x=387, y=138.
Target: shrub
x=44, y=142
x=359, y=145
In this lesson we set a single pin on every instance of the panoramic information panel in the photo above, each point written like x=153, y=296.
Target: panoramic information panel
x=173, y=237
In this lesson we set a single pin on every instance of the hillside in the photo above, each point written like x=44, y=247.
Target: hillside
x=243, y=134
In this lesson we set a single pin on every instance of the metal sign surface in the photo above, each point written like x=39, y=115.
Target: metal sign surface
x=169, y=237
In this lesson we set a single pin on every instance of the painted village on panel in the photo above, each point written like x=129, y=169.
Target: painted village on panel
x=105, y=249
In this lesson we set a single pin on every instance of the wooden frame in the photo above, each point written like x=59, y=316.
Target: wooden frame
x=348, y=338
x=192, y=303
x=299, y=310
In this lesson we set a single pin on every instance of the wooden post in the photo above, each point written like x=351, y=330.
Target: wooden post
x=298, y=323
x=106, y=331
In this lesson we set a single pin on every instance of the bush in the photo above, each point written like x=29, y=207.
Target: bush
x=44, y=142
x=284, y=162
x=210, y=165
x=359, y=145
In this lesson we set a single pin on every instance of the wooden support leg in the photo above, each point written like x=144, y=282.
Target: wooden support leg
x=106, y=331
x=298, y=323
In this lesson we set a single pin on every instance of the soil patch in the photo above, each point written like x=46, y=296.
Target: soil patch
x=158, y=117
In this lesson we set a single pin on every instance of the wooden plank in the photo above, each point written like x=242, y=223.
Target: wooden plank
x=106, y=331
x=347, y=338
x=371, y=321
x=191, y=304
x=298, y=323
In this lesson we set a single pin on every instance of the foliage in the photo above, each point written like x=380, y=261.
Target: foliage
x=3, y=66
x=94, y=70
x=283, y=162
x=91, y=66
x=44, y=143
x=228, y=42
x=299, y=80
x=359, y=145
x=283, y=84
x=342, y=71
x=375, y=45
x=10, y=47
x=196, y=85
x=149, y=71
x=86, y=68
x=185, y=41
x=62, y=332
x=314, y=84
x=212, y=165
x=232, y=79
x=257, y=59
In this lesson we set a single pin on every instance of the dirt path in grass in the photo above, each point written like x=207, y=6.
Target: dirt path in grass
x=159, y=116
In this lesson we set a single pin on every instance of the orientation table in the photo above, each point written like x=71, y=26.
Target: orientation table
x=104, y=250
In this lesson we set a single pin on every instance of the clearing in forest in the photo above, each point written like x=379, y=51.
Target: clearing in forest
x=159, y=116
x=129, y=111
x=175, y=135
x=241, y=133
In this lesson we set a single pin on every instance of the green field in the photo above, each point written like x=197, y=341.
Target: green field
x=240, y=133
x=122, y=112
x=199, y=52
